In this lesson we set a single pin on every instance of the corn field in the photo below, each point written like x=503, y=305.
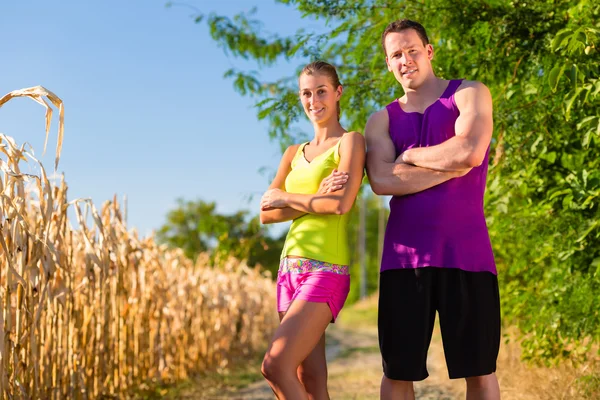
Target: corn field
x=95, y=310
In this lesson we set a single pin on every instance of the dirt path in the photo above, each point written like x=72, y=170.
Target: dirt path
x=355, y=370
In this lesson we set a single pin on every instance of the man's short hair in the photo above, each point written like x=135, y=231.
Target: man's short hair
x=403, y=24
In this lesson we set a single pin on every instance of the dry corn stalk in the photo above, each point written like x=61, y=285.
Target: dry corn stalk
x=96, y=310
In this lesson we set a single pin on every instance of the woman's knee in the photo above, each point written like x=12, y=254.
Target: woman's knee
x=268, y=367
x=273, y=368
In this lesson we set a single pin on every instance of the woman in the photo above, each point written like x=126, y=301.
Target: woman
x=315, y=186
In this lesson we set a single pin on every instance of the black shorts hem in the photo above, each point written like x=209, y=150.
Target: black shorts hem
x=406, y=378
x=471, y=373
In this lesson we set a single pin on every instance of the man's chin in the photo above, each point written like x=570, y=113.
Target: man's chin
x=410, y=83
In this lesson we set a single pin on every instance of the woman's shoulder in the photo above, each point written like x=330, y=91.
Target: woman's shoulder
x=291, y=151
x=352, y=137
x=350, y=143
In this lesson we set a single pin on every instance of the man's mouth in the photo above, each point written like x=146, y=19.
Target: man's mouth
x=409, y=72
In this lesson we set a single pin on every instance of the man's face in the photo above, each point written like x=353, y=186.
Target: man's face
x=408, y=58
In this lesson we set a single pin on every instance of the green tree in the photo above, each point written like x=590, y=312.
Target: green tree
x=541, y=61
x=196, y=227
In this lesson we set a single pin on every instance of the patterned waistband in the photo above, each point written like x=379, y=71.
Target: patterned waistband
x=303, y=265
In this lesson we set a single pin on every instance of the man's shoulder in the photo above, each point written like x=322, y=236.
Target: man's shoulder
x=377, y=124
x=471, y=92
x=467, y=84
x=379, y=117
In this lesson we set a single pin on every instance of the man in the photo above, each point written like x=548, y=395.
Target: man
x=429, y=150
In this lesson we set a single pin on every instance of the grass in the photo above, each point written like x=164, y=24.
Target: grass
x=361, y=315
x=209, y=383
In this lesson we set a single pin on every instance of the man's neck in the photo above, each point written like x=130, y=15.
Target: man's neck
x=429, y=91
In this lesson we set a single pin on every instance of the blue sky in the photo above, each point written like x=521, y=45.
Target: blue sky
x=148, y=113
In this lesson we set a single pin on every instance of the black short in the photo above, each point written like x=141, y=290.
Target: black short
x=469, y=307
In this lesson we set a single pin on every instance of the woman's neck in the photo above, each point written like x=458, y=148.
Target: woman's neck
x=327, y=131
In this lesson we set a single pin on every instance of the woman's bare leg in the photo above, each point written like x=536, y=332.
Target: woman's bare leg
x=300, y=331
x=313, y=372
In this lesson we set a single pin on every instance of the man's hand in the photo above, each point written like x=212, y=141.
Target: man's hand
x=273, y=198
x=335, y=181
x=400, y=160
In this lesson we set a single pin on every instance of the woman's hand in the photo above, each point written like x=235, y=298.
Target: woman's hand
x=273, y=198
x=335, y=181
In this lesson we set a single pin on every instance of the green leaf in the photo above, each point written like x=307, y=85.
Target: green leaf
x=573, y=75
x=570, y=102
x=560, y=38
x=596, y=263
x=586, y=139
x=550, y=157
x=596, y=88
x=585, y=120
x=591, y=226
x=559, y=193
x=530, y=89
x=555, y=75
x=536, y=143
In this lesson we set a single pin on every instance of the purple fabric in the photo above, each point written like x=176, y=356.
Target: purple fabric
x=443, y=226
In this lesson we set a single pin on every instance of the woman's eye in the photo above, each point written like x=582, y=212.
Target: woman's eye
x=321, y=92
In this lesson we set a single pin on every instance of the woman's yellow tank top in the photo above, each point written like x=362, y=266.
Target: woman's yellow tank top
x=316, y=236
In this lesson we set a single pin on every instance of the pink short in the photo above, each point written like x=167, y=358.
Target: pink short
x=311, y=280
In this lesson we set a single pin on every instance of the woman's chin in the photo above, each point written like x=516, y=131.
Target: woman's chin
x=319, y=119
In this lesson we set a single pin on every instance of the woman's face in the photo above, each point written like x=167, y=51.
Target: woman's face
x=319, y=98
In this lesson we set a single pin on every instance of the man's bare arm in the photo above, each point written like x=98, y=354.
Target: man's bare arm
x=390, y=177
x=473, y=134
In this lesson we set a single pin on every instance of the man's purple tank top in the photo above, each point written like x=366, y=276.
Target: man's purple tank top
x=443, y=226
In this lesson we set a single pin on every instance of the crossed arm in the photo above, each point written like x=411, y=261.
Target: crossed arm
x=418, y=169
x=336, y=196
x=473, y=130
x=282, y=214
